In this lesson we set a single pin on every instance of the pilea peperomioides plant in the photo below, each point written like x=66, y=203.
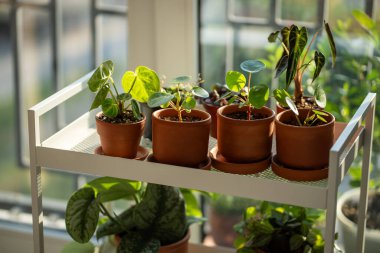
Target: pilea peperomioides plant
x=295, y=60
x=252, y=96
x=180, y=97
x=158, y=217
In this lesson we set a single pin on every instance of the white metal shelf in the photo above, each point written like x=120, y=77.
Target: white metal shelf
x=72, y=149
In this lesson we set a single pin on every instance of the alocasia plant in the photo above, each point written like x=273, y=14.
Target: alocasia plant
x=294, y=60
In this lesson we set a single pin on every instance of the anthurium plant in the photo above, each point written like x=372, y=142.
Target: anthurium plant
x=296, y=59
x=137, y=85
x=180, y=96
x=272, y=229
x=247, y=94
x=157, y=218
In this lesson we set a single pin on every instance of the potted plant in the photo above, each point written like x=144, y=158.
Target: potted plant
x=120, y=124
x=245, y=130
x=180, y=133
x=295, y=60
x=211, y=104
x=303, y=140
x=270, y=229
x=147, y=83
x=225, y=211
x=156, y=222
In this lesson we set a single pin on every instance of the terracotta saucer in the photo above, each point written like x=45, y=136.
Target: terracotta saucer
x=206, y=165
x=219, y=162
x=298, y=175
x=142, y=153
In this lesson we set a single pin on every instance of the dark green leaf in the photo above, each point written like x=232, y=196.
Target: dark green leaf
x=235, y=80
x=258, y=95
x=252, y=66
x=109, y=188
x=296, y=242
x=320, y=97
x=307, y=249
x=134, y=242
x=141, y=84
x=282, y=65
x=262, y=240
x=319, y=60
x=232, y=100
x=112, y=228
x=331, y=42
x=110, y=108
x=297, y=43
x=189, y=103
x=181, y=79
x=101, y=76
x=159, y=98
x=280, y=95
x=100, y=97
x=136, y=110
x=82, y=215
x=162, y=212
x=124, y=96
x=200, y=92
x=291, y=105
x=273, y=36
x=304, y=229
x=285, y=32
x=311, y=238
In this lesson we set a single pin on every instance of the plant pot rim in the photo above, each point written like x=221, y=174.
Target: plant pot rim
x=120, y=124
x=175, y=244
x=221, y=109
x=277, y=121
x=352, y=194
x=202, y=121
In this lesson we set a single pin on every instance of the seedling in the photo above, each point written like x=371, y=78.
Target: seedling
x=181, y=96
x=310, y=120
x=137, y=85
x=295, y=59
x=252, y=96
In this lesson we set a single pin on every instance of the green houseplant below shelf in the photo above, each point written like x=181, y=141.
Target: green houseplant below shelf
x=156, y=222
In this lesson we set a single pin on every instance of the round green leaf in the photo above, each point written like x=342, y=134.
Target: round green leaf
x=78, y=248
x=110, y=108
x=159, y=98
x=181, y=79
x=124, y=96
x=280, y=95
x=189, y=103
x=141, y=84
x=136, y=109
x=200, y=92
x=235, y=80
x=100, y=97
x=252, y=66
x=82, y=215
x=258, y=95
x=291, y=105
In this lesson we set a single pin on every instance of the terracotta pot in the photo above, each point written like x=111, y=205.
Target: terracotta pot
x=121, y=140
x=300, y=147
x=245, y=141
x=222, y=228
x=212, y=109
x=180, y=143
x=177, y=247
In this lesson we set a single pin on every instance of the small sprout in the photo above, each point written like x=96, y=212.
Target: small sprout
x=243, y=91
x=180, y=96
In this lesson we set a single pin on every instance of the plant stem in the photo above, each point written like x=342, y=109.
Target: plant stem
x=179, y=115
x=114, y=87
x=249, y=105
x=178, y=108
x=298, y=120
x=104, y=211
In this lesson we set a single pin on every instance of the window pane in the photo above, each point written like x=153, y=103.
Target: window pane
x=251, y=8
x=299, y=10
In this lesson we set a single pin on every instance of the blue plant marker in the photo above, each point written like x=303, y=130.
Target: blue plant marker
x=252, y=66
